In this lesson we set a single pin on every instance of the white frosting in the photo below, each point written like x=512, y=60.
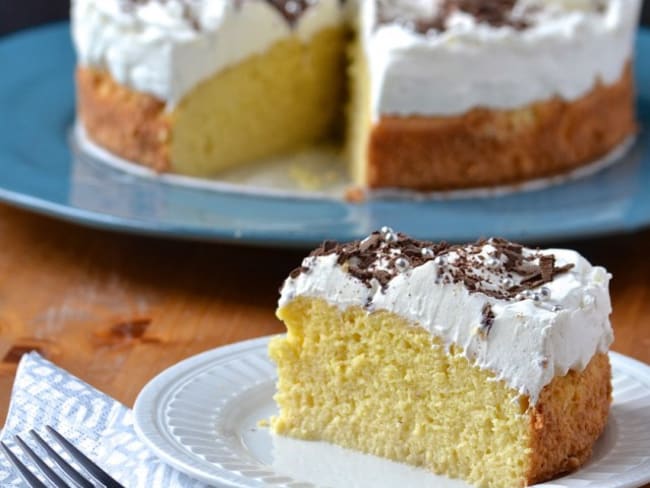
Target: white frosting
x=567, y=49
x=154, y=48
x=529, y=342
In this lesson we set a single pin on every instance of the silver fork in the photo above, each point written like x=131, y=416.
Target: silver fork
x=92, y=471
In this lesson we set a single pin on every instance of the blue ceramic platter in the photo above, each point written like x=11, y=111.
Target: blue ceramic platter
x=40, y=173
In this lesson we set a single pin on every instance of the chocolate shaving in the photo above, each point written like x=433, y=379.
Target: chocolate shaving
x=544, y=274
x=383, y=277
x=546, y=267
x=515, y=269
x=291, y=10
x=487, y=319
x=373, y=242
x=298, y=271
x=362, y=256
x=497, y=13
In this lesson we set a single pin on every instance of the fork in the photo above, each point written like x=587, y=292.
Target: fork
x=92, y=471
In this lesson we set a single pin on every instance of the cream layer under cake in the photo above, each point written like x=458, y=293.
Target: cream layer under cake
x=486, y=362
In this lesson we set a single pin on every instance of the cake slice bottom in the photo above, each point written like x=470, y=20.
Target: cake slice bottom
x=376, y=383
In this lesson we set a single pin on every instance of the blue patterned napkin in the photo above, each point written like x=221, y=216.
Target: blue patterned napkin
x=101, y=427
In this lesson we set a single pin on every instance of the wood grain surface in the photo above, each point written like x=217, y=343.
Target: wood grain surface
x=116, y=310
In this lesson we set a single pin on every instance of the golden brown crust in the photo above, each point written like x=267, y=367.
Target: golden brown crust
x=130, y=124
x=568, y=418
x=480, y=148
x=488, y=147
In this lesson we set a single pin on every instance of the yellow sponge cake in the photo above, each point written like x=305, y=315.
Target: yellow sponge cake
x=486, y=362
x=453, y=94
x=197, y=87
x=443, y=94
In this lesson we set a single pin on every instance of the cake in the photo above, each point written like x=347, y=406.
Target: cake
x=440, y=94
x=195, y=87
x=474, y=93
x=486, y=362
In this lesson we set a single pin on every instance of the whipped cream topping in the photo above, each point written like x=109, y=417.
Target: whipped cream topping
x=525, y=315
x=424, y=56
x=445, y=57
x=165, y=48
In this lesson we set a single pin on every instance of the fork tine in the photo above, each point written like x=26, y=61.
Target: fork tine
x=62, y=463
x=98, y=473
x=48, y=472
x=26, y=474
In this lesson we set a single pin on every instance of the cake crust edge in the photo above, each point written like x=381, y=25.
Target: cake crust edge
x=569, y=417
x=132, y=125
x=482, y=148
x=485, y=147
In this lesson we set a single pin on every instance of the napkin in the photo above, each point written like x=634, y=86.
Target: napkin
x=44, y=394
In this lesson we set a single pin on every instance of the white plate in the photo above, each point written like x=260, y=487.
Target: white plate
x=201, y=416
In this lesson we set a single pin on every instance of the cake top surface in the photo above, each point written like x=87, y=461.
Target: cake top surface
x=527, y=315
x=197, y=14
x=446, y=57
x=435, y=16
x=167, y=47
x=494, y=267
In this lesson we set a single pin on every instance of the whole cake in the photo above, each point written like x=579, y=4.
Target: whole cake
x=441, y=94
x=486, y=362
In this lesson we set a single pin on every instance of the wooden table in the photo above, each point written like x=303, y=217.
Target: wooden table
x=116, y=310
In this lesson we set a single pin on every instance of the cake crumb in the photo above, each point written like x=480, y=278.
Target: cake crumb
x=355, y=194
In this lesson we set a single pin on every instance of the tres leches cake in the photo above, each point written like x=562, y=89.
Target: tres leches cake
x=441, y=94
x=486, y=362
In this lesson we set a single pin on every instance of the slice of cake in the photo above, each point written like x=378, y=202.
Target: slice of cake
x=452, y=94
x=486, y=362
x=198, y=86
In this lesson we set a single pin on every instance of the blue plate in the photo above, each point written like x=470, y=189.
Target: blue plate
x=39, y=173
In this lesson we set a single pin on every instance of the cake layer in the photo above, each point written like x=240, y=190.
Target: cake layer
x=485, y=147
x=526, y=316
x=381, y=384
x=268, y=104
x=447, y=57
x=165, y=48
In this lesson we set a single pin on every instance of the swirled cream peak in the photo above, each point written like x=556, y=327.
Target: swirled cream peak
x=166, y=47
x=445, y=57
x=523, y=314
